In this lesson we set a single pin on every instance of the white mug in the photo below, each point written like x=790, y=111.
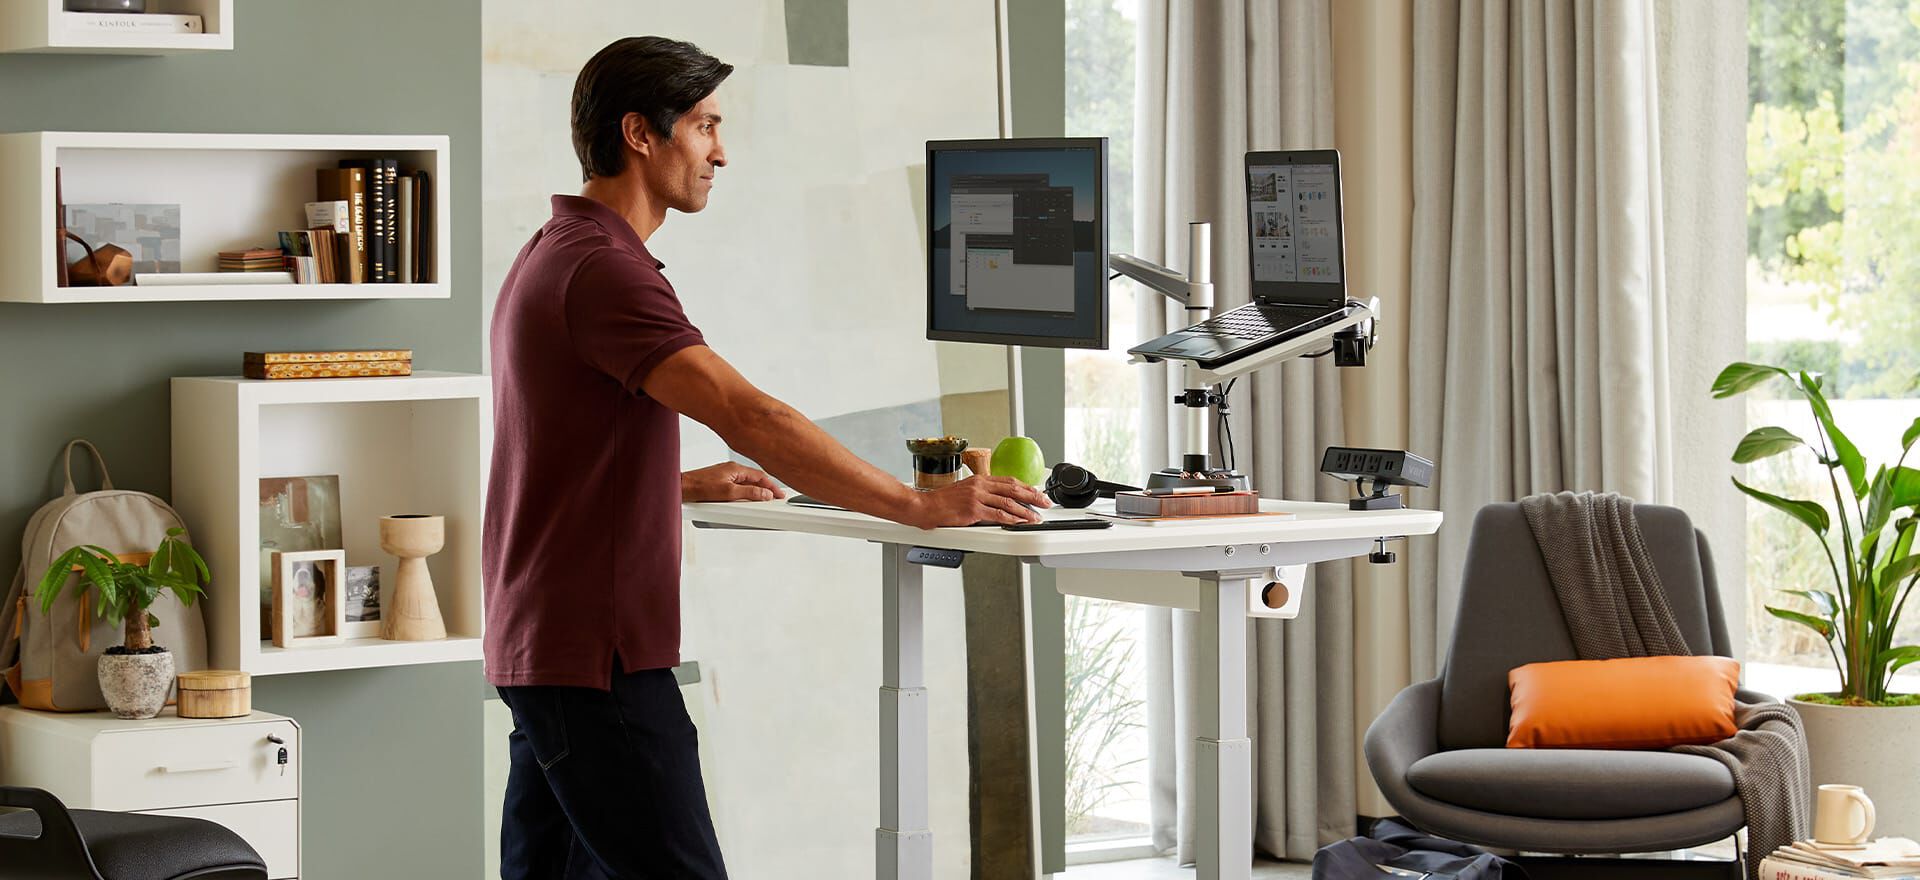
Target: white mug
x=1838, y=811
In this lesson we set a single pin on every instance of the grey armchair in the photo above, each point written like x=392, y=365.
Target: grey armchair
x=1438, y=753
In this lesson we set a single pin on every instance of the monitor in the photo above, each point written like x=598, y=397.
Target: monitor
x=1017, y=242
x=1295, y=239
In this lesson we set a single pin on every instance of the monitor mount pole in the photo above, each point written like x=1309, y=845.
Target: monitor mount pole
x=1196, y=407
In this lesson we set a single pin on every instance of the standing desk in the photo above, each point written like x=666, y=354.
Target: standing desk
x=1227, y=563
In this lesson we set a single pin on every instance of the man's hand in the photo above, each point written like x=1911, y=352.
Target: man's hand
x=728, y=482
x=978, y=499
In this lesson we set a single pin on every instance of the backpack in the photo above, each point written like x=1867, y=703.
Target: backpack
x=59, y=650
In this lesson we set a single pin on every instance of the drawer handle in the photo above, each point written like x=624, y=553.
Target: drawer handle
x=208, y=767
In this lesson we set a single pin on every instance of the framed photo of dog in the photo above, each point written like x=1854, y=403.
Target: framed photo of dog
x=309, y=606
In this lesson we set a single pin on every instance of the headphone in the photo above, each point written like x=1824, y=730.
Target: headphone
x=1070, y=485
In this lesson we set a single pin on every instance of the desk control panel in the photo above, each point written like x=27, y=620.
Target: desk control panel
x=936, y=557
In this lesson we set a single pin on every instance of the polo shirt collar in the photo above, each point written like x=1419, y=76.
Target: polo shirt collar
x=615, y=225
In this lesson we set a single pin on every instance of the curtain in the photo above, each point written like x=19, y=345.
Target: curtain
x=1542, y=343
x=1217, y=78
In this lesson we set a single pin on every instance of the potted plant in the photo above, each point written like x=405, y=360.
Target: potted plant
x=1862, y=734
x=136, y=676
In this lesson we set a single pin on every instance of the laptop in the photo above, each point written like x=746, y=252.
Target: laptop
x=1296, y=249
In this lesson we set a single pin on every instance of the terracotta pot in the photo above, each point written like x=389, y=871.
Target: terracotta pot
x=1872, y=747
x=415, y=613
x=136, y=685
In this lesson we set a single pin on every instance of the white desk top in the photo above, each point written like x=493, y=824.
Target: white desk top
x=1312, y=521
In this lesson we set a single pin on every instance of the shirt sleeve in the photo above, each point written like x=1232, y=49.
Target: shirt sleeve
x=624, y=318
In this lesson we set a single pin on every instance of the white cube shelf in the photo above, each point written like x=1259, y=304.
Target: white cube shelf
x=417, y=444
x=41, y=26
x=234, y=191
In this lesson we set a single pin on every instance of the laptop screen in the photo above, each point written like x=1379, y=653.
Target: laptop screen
x=1295, y=239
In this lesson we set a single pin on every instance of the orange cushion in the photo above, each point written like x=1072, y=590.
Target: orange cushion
x=1630, y=703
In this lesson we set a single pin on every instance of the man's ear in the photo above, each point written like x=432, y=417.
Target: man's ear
x=638, y=135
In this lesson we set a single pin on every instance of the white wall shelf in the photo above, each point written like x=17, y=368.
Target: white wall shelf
x=234, y=191
x=415, y=444
x=41, y=26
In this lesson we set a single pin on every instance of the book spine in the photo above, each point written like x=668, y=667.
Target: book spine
x=376, y=210
x=133, y=22
x=390, y=179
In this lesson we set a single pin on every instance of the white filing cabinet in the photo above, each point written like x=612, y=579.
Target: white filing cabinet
x=225, y=770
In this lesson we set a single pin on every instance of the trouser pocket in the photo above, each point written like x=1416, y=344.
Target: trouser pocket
x=539, y=714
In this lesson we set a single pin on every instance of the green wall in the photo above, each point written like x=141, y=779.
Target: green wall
x=392, y=785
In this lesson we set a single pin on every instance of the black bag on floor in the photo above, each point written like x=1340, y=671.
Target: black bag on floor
x=1405, y=852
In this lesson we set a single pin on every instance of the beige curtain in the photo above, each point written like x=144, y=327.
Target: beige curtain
x=1218, y=78
x=1546, y=348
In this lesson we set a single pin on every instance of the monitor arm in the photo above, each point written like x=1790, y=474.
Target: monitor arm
x=1348, y=340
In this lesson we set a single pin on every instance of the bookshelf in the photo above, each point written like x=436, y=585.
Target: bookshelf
x=234, y=191
x=416, y=444
x=40, y=26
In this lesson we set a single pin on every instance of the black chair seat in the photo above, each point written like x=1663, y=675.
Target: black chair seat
x=1572, y=783
x=137, y=846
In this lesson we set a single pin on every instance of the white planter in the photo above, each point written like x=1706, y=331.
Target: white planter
x=1875, y=748
x=136, y=685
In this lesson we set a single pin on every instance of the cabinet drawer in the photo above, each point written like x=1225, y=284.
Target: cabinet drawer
x=187, y=767
x=271, y=828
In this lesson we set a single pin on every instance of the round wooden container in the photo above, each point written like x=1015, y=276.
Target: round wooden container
x=215, y=693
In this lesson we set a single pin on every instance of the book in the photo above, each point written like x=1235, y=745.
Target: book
x=335, y=370
x=304, y=270
x=324, y=245
x=1775, y=867
x=336, y=215
x=132, y=23
x=324, y=357
x=376, y=193
x=406, y=231
x=1213, y=504
x=423, y=215
x=1886, y=857
x=349, y=185
x=251, y=260
x=187, y=279
x=390, y=170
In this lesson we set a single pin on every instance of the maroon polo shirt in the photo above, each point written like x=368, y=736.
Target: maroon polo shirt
x=582, y=553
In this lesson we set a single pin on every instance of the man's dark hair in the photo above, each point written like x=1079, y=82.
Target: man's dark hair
x=658, y=78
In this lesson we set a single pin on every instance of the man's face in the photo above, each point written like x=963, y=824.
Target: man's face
x=681, y=170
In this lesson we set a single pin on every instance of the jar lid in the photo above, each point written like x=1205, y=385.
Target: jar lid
x=213, y=680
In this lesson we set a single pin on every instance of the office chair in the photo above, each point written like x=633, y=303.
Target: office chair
x=49, y=842
x=1437, y=751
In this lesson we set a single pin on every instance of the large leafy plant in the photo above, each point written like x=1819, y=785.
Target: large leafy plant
x=1876, y=516
x=128, y=589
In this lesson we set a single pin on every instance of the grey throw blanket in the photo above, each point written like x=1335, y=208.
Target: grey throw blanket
x=1615, y=606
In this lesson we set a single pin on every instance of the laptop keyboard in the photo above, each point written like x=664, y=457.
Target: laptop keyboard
x=1256, y=321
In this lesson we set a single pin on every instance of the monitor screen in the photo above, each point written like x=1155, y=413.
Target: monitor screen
x=1294, y=233
x=1017, y=242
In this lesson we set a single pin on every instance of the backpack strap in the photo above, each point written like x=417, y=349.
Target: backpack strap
x=106, y=481
x=12, y=617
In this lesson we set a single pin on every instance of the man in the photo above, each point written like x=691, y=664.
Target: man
x=593, y=363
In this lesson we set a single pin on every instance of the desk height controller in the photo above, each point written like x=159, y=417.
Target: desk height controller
x=936, y=557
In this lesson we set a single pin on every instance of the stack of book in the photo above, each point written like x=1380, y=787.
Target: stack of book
x=382, y=219
x=327, y=364
x=252, y=260
x=1889, y=858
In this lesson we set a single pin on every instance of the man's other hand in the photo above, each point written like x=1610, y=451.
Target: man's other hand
x=1001, y=500
x=728, y=482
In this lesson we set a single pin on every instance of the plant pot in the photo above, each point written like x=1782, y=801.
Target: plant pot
x=136, y=685
x=1874, y=747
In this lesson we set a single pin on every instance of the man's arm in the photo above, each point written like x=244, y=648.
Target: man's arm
x=699, y=384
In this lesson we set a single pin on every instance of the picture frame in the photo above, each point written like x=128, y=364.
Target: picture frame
x=297, y=513
x=362, y=602
x=307, y=598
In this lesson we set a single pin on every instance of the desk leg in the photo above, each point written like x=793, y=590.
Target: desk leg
x=1223, y=753
x=903, y=845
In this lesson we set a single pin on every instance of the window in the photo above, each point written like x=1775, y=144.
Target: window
x=1833, y=279
x=1106, y=665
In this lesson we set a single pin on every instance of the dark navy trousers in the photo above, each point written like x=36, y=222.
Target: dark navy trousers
x=605, y=785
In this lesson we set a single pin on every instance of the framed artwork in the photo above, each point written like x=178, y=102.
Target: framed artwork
x=309, y=606
x=362, y=602
x=296, y=514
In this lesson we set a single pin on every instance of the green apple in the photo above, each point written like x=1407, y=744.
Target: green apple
x=1020, y=458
